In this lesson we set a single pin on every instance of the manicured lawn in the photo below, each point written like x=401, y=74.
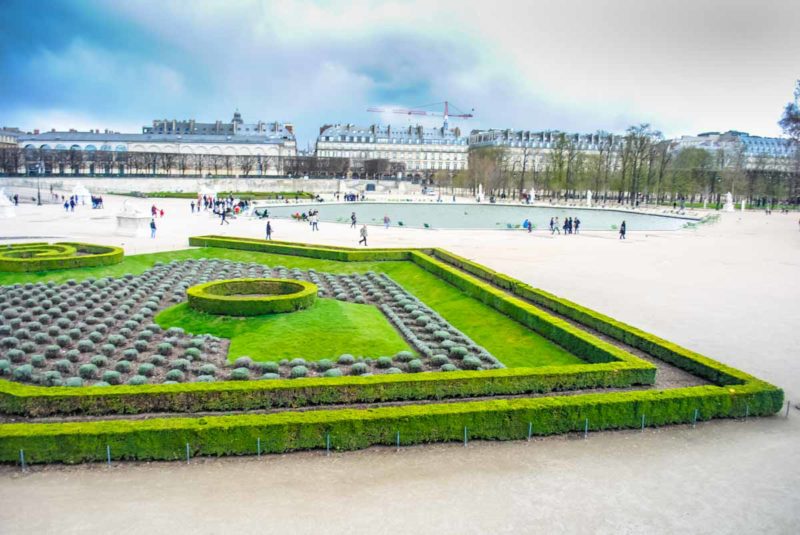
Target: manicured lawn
x=508, y=340
x=326, y=330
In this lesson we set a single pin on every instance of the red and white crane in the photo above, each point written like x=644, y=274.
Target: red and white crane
x=419, y=111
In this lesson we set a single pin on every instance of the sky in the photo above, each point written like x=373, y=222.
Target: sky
x=684, y=66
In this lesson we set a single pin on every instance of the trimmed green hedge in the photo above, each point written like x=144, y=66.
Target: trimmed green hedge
x=24, y=257
x=251, y=297
x=674, y=354
x=37, y=401
x=348, y=429
x=327, y=252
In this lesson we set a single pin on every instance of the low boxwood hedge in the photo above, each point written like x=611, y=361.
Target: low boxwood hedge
x=251, y=297
x=327, y=252
x=36, y=401
x=23, y=257
x=348, y=429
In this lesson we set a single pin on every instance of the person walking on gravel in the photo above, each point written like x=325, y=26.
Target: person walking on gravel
x=269, y=230
x=622, y=229
x=363, y=233
x=152, y=228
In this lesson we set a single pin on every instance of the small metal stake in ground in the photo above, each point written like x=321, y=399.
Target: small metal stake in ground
x=22, y=460
x=465, y=436
x=530, y=430
x=642, y=423
x=787, y=409
x=746, y=411
x=398, y=441
x=187, y=453
x=694, y=419
x=327, y=443
x=586, y=429
x=108, y=455
x=258, y=446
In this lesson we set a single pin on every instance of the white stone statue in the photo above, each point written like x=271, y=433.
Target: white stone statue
x=132, y=222
x=744, y=204
x=588, y=197
x=7, y=209
x=729, y=202
x=533, y=195
x=480, y=192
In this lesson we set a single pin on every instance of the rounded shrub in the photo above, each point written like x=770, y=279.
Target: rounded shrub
x=415, y=365
x=298, y=371
x=75, y=334
x=191, y=353
x=85, y=346
x=297, y=362
x=158, y=360
x=108, y=349
x=137, y=380
x=112, y=377
x=384, y=362
x=324, y=365
x=10, y=341
x=206, y=379
x=404, y=356
x=87, y=371
x=95, y=336
x=458, y=352
x=15, y=355
x=180, y=364
x=359, y=368
x=73, y=382
x=346, y=359
x=333, y=372
x=448, y=367
x=175, y=376
x=146, y=369
x=41, y=338
x=63, y=365
x=394, y=370
x=240, y=374
x=52, y=378
x=207, y=369
x=23, y=373
x=100, y=361
x=165, y=348
x=116, y=339
x=441, y=335
x=439, y=360
x=5, y=367
x=243, y=362
x=471, y=363
x=130, y=354
x=140, y=345
x=269, y=367
x=123, y=366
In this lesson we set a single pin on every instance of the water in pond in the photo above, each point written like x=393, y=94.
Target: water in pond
x=477, y=216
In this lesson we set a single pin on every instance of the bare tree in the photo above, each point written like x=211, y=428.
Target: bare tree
x=245, y=164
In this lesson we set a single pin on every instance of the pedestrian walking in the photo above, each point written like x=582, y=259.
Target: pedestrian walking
x=192, y=203
x=314, y=222
x=552, y=230
x=223, y=220
x=577, y=225
x=269, y=230
x=353, y=220
x=386, y=221
x=152, y=228
x=622, y=230
x=557, y=226
x=363, y=235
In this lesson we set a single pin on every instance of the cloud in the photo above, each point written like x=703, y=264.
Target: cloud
x=688, y=67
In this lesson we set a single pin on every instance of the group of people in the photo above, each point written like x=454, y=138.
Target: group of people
x=570, y=226
x=69, y=204
x=350, y=197
x=97, y=202
x=156, y=212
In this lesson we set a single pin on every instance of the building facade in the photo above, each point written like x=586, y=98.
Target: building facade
x=414, y=151
x=531, y=149
x=9, y=137
x=755, y=151
x=239, y=151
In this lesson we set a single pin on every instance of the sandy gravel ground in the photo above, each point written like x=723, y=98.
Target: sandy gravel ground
x=730, y=290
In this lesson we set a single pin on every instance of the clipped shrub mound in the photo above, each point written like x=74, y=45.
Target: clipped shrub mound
x=42, y=256
x=251, y=297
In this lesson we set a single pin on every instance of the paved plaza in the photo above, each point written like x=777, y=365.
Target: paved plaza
x=729, y=290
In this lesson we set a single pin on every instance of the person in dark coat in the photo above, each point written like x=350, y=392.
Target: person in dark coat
x=622, y=230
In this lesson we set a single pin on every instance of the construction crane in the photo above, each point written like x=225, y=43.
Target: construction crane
x=418, y=111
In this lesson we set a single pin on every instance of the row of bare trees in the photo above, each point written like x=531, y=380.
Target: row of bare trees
x=15, y=160
x=640, y=166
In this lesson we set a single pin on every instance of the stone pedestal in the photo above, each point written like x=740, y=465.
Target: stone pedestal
x=133, y=225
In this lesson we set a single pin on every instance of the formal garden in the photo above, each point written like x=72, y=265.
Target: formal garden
x=243, y=346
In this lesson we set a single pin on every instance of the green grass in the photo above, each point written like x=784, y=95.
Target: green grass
x=326, y=330
x=512, y=343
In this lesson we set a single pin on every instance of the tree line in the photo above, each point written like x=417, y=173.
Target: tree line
x=639, y=167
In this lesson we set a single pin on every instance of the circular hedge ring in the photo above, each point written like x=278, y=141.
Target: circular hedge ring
x=42, y=256
x=251, y=297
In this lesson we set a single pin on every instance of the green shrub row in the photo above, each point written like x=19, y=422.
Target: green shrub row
x=578, y=342
x=674, y=354
x=342, y=254
x=251, y=297
x=26, y=257
x=37, y=401
x=348, y=429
